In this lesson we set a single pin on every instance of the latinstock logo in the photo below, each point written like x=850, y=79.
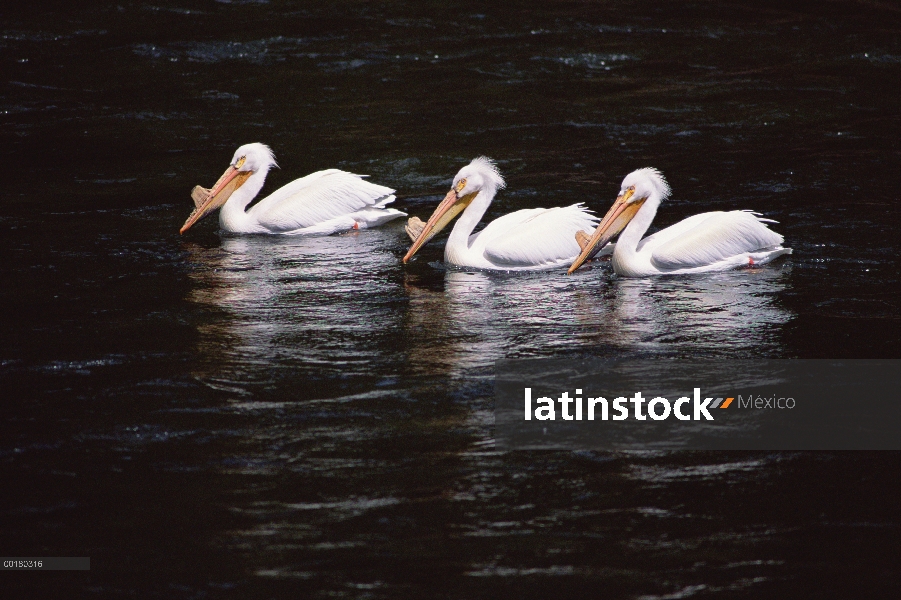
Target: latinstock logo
x=576, y=408
x=754, y=404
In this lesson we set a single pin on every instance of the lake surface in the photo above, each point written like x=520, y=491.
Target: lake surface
x=255, y=417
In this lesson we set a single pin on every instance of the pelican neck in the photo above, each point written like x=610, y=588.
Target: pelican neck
x=471, y=216
x=233, y=215
x=633, y=233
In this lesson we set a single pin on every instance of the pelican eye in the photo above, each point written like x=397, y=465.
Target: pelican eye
x=460, y=185
x=240, y=162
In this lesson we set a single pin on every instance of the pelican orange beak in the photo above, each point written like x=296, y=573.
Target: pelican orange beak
x=450, y=207
x=206, y=201
x=613, y=222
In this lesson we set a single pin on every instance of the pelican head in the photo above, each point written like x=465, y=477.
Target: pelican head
x=481, y=174
x=248, y=160
x=635, y=190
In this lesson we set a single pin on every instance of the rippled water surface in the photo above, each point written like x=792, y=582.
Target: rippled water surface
x=255, y=417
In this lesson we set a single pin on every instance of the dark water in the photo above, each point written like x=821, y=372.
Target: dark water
x=253, y=417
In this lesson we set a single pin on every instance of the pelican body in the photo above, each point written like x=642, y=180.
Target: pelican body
x=711, y=241
x=525, y=240
x=321, y=203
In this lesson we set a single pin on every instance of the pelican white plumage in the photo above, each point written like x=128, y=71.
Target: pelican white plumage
x=525, y=240
x=711, y=241
x=321, y=203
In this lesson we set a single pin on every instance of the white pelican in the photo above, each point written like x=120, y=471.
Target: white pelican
x=711, y=241
x=321, y=203
x=524, y=240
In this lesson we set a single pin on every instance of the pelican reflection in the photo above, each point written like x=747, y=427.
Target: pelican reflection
x=715, y=314
x=285, y=302
x=479, y=317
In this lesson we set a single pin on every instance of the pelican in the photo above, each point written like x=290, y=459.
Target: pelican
x=525, y=240
x=711, y=241
x=321, y=203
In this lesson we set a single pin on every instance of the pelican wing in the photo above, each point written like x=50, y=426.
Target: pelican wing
x=538, y=236
x=319, y=197
x=718, y=236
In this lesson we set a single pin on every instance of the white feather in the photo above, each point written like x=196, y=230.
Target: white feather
x=711, y=241
x=320, y=203
x=524, y=240
x=719, y=236
x=319, y=197
x=537, y=237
